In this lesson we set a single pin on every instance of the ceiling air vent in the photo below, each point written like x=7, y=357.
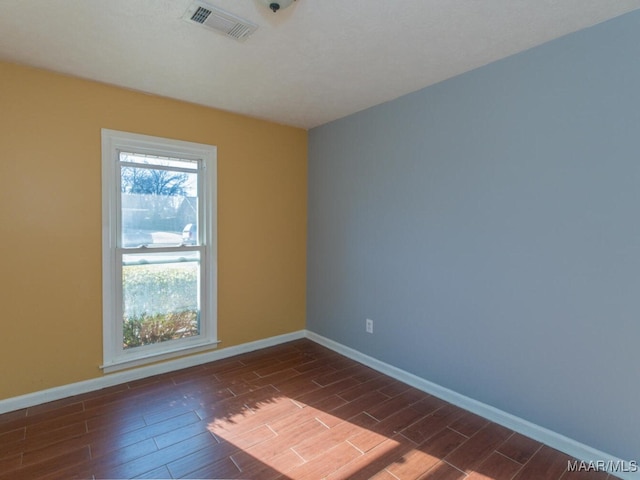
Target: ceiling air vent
x=220, y=21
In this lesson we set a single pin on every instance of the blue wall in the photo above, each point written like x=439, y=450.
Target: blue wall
x=490, y=226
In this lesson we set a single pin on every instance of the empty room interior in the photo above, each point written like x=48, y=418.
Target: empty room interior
x=320, y=239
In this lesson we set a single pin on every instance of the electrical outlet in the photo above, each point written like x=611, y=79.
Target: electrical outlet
x=369, y=325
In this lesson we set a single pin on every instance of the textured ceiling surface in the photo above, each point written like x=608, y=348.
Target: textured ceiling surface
x=314, y=62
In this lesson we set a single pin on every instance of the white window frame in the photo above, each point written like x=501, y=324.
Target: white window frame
x=115, y=357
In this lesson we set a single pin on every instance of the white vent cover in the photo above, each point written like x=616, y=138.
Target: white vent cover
x=216, y=19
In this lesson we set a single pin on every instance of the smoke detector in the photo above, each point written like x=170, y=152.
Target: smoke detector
x=218, y=20
x=277, y=5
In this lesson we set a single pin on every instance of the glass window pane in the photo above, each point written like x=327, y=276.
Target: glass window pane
x=157, y=160
x=158, y=207
x=161, y=297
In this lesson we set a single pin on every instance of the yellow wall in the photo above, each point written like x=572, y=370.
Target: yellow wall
x=50, y=220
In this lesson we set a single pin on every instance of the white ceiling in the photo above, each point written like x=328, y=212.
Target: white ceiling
x=314, y=62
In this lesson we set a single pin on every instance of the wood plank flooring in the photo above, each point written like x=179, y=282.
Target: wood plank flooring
x=295, y=411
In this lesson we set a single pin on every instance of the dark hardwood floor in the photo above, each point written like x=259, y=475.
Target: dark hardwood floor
x=295, y=411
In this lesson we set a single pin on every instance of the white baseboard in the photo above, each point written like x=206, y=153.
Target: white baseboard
x=57, y=393
x=555, y=440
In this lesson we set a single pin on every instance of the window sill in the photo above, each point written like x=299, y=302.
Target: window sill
x=124, y=363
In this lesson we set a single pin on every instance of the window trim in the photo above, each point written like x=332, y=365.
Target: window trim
x=114, y=356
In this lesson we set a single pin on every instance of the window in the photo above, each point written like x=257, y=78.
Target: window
x=158, y=248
